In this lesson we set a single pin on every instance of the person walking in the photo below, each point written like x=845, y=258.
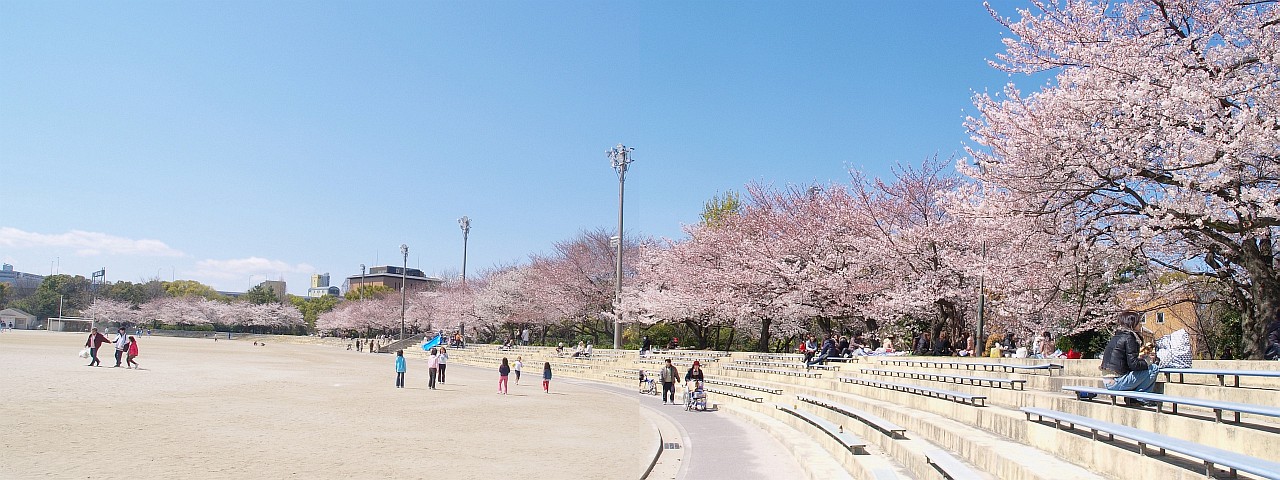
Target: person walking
x=400, y=368
x=433, y=368
x=519, y=365
x=122, y=345
x=95, y=341
x=503, y=371
x=546, y=377
x=133, y=353
x=444, y=357
x=669, y=376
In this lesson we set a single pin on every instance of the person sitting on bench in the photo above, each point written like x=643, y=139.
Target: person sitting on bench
x=1125, y=367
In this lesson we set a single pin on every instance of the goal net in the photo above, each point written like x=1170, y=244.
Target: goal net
x=69, y=325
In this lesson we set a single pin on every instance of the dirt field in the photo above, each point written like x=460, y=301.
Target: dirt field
x=228, y=409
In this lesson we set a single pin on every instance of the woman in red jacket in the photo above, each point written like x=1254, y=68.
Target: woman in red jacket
x=95, y=340
x=133, y=352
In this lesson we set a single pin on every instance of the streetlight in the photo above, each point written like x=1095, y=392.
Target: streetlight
x=465, y=223
x=362, y=281
x=620, y=158
x=404, y=276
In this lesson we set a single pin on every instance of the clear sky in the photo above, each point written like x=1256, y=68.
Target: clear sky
x=235, y=141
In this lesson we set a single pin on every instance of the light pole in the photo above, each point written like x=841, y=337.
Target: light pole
x=620, y=158
x=465, y=224
x=362, y=281
x=404, y=276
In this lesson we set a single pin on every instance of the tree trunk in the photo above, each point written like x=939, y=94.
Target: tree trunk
x=763, y=345
x=1258, y=260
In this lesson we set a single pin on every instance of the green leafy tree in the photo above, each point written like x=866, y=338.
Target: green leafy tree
x=369, y=291
x=311, y=308
x=260, y=295
x=4, y=294
x=72, y=292
x=132, y=293
x=720, y=208
x=192, y=288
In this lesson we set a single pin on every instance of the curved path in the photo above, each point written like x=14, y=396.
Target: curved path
x=715, y=444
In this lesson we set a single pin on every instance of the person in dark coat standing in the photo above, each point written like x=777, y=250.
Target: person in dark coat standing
x=96, y=339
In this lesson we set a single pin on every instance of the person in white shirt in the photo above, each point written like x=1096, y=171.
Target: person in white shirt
x=122, y=345
x=441, y=359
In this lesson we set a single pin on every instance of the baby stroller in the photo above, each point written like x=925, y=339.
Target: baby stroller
x=647, y=385
x=696, y=399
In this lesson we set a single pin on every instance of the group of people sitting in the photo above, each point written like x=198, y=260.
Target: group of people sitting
x=842, y=347
x=583, y=350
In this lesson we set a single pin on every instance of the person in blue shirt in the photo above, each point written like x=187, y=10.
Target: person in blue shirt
x=400, y=368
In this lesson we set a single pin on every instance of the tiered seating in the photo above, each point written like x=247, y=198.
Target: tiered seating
x=1220, y=373
x=961, y=397
x=950, y=438
x=937, y=377
x=848, y=440
x=1145, y=440
x=1217, y=406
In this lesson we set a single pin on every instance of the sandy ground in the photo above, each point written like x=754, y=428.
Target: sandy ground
x=228, y=409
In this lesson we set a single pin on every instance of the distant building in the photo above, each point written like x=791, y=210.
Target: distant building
x=391, y=276
x=320, y=280
x=18, y=318
x=24, y=282
x=1169, y=313
x=320, y=287
x=276, y=287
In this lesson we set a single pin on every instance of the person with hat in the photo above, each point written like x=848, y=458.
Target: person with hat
x=694, y=373
x=692, y=379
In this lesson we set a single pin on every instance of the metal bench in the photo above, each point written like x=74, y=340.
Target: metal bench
x=1217, y=406
x=1209, y=456
x=1221, y=374
x=949, y=466
x=959, y=397
x=734, y=394
x=937, y=377
x=888, y=428
x=848, y=440
x=793, y=373
x=744, y=386
x=765, y=363
x=987, y=366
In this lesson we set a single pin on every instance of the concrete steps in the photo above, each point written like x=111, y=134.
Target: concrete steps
x=996, y=439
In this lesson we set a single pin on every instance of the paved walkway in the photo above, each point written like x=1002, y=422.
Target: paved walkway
x=717, y=444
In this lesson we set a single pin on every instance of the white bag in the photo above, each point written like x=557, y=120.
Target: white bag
x=1174, y=350
x=84, y=353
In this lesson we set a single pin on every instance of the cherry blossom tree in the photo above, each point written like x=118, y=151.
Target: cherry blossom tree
x=1159, y=134
x=112, y=311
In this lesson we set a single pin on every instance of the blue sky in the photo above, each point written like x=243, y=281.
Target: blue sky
x=233, y=141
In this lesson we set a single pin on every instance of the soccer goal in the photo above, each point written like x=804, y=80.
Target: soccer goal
x=72, y=324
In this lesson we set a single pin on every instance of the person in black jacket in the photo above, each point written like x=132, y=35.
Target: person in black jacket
x=1273, y=340
x=943, y=347
x=1122, y=360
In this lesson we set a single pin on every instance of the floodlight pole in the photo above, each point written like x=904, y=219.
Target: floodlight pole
x=404, y=277
x=620, y=158
x=465, y=224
